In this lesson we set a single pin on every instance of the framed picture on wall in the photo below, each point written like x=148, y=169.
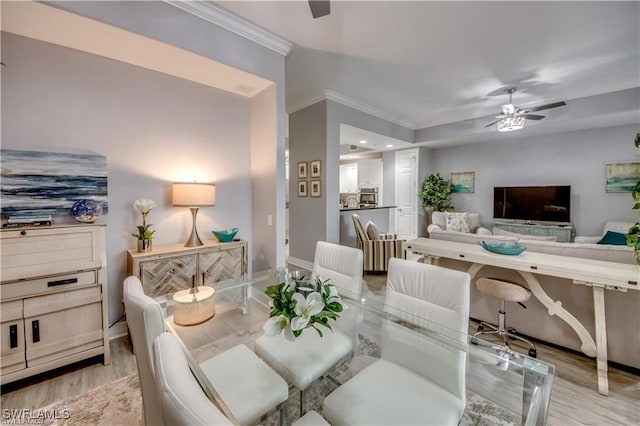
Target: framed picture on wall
x=621, y=177
x=302, y=188
x=315, y=168
x=302, y=169
x=315, y=188
x=462, y=182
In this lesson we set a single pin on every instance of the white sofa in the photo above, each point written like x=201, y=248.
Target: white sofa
x=622, y=309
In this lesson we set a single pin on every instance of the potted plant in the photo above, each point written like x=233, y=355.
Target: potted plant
x=436, y=194
x=144, y=232
x=633, y=235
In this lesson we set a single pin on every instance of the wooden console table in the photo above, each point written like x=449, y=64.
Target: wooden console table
x=600, y=275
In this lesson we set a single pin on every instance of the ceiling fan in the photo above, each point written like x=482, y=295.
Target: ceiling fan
x=319, y=8
x=513, y=118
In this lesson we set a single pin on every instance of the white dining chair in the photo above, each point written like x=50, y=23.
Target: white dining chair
x=310, y=356
x=145, y=321
x=182, y=400
x=417, y=380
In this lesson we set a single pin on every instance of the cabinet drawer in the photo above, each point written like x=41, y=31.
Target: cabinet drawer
x=61, y=333
x=59, y=301
x=43, y=285
x=12, y=356
x=10, y=311
x=168, y=275
x=41, y=252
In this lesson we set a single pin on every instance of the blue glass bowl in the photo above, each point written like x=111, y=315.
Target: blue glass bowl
x=225, y=235
x=510, y=249
x=86, y=211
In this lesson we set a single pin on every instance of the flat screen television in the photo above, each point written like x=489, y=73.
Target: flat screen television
x=532, y=203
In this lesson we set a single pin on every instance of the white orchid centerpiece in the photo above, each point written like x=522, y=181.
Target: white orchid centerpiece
x=144, y=206
x=298, y=304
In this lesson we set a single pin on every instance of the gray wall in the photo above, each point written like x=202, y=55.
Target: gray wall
x=161, y=21
x=154, y=129
x=314, y=134
x=572, y=158
x=308, y=215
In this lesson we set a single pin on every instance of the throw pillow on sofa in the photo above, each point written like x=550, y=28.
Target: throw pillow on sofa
x=458, y=222
x=614, y=238
x=372, y=231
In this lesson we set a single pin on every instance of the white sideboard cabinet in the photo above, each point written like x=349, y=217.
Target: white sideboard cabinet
x=53, y=299
x=170, y=268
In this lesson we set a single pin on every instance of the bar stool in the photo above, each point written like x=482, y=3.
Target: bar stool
x=505, y=291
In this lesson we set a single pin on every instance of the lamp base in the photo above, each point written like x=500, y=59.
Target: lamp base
x=194, y=239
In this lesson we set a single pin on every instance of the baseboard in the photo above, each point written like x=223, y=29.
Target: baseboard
x=118, y=329
x=300, y=263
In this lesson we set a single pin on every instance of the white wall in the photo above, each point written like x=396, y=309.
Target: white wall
x=154, y=129
x=572, y=158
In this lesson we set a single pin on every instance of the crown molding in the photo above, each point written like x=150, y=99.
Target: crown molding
x=330, y=95
x=307, y=103
x=216, y=15
x=352, y=103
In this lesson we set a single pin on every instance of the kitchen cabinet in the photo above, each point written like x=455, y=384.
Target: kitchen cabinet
x=53, y=302
x=349, y=178
x=370, y=173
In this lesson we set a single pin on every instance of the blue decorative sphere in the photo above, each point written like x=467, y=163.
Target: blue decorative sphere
x=86, y=211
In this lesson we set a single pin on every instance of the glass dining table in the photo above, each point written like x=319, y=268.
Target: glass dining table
x=500, y=387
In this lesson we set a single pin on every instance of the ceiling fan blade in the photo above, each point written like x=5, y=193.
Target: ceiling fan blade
x=548, y=106
x=319, y=8
x=491, y=124
x=533, y=116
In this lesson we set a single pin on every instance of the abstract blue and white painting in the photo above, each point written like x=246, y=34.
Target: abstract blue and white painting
x=622, y=177
x=48, y=183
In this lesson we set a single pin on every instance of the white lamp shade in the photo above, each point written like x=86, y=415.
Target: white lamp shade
x=193, y=194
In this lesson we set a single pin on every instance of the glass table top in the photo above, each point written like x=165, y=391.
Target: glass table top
x=501, y=388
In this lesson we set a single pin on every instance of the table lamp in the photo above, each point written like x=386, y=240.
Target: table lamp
x=193, y=195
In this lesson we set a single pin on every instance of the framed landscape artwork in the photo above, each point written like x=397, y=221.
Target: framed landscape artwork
x=302, y=169
x=302, y=188
x=462, y=182
x=37, y=183
x=621, y=177
x=315, y=188
x=315, y=169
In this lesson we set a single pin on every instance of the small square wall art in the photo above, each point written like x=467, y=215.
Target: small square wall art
x=462, y=182
x=622, y=177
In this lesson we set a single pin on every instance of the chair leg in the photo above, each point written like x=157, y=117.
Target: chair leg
x=505, y=332
x=302, y=396
x=283, y=414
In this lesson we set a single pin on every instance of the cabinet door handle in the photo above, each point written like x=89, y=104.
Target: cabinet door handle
x=13, y=336
x=62, y=282
x=35, y=331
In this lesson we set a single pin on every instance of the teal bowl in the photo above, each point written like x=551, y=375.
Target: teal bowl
x=225, y=235
x=509, y=249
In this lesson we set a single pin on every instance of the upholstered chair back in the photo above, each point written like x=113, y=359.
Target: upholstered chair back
x=361, y=234
x=146, y=322
x=182, y=400
x=440, y=219
x=440, y=296
x=341, y=264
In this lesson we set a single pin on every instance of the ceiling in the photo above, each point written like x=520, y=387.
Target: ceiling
x=43, y=22
x=442, y=66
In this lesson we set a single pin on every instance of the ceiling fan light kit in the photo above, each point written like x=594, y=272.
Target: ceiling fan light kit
x=513, y=118
x=509, y=124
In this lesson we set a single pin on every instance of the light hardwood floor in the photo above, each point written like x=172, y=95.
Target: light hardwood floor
x=574, y=398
